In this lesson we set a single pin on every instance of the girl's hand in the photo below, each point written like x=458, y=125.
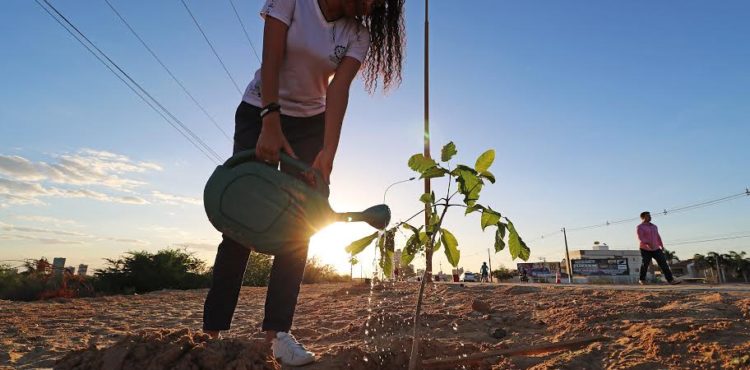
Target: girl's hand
x=324, y=163
x=272, y=140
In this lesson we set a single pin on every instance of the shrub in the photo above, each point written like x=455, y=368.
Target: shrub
x=140, y=272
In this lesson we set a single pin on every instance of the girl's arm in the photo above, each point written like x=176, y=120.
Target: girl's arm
x=337, y=99
x=271, y=138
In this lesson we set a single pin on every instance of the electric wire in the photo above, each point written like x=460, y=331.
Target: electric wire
x=710, y=240
x=665, y=212
x=244, y=30
x=186, y=132
x=226, y=70
x=176, y=80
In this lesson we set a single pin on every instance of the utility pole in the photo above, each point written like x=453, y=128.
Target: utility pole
x=427, y=188
x=489, y=258
x=567, y=258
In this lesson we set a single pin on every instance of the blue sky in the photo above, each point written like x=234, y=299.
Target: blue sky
x=597, y=111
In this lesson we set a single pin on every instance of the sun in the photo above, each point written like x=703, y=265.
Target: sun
x=329, y=243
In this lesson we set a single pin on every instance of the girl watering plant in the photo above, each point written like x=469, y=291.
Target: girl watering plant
x=291, y=106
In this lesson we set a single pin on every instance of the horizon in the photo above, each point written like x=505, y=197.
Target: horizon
x=597, y=112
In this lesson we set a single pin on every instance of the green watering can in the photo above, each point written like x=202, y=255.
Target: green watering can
x=266, y=210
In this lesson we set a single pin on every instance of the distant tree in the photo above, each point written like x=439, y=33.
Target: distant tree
x=739, y=265
x=317, y=272
x=504, y=273
x=671, y=256
x=258, y=269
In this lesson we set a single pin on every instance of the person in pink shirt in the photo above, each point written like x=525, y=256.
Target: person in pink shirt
x=652, y=247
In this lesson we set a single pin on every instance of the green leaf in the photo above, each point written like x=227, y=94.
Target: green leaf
x=359, y=245
x=451, y=247
x=474, y=208
x=409, y=227
x=488, y=175
x=427, y=198
x=448, y=151
x=434, y=220
x=433, y=172
x=485, y=161
x=420, y=164
x=501, y=227
x=499, y=242
x=410, y=250
x=489, y=217
x=516, y=245
x=386, y=262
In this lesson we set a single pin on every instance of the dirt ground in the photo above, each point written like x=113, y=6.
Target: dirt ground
x=354, y=326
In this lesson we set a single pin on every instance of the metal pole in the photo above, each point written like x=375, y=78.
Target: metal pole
x=427, y=187
x=567, y=258
x=489, y=257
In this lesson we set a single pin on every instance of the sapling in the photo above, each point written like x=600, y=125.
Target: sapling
x=469, y=181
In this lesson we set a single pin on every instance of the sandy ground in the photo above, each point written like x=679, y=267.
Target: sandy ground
x=356, y=326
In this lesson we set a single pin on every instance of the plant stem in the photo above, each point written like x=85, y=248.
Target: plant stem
x=415, y=356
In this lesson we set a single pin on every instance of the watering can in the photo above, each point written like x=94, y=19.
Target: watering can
x=265, y=209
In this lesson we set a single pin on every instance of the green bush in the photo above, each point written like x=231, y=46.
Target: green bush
x=17, y=286
x=258, y=269
x=504, y=273
x=140, y=272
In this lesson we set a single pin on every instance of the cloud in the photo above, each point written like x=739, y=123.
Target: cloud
x=211, y=247
x=175, y=199
x=19, y=192
x=125, y=240
x=47, y=220
x=14, y=232
x=39, y=239
x=74, y=176
x=85, y=167
x=8, y=227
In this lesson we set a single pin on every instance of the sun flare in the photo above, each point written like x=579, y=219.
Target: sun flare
x=329, y=243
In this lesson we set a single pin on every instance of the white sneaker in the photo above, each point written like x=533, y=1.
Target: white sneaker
x=290, y=352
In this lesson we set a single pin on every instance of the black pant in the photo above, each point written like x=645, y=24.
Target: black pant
x=658, y=255
x=305, y=135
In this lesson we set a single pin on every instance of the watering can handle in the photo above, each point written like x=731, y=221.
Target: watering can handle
x=302, y=167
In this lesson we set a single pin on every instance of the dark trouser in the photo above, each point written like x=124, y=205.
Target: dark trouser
x=305, y=135
x=658, y=255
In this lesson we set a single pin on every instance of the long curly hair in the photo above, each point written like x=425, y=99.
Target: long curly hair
x=387, y=40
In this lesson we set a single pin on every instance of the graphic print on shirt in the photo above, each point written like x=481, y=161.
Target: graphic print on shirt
x=338, y=54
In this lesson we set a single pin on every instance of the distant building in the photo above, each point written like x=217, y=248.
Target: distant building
x=601, y=264
x=58, y=265
x=83, y=269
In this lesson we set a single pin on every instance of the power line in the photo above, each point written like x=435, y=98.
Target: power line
x=140, y=92
x=153, y=54
x=212, y=47
x=244, y=30
x=710, y=240
x=665, y=212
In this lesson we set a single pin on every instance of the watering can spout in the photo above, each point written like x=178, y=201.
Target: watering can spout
x=378, y=216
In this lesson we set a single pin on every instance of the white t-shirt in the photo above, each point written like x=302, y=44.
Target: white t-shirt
x=314, y=48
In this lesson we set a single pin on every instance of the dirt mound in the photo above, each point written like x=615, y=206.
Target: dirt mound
x=177, y=349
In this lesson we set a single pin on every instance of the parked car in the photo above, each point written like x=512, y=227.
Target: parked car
x=470, y=277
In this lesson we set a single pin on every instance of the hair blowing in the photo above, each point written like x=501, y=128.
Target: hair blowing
x=387, y=38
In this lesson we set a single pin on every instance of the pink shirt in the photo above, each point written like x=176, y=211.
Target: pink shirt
x=648, y=235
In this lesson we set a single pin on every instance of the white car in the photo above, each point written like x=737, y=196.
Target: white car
x=470, y=277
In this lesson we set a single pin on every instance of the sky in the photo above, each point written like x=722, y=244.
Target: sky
x=596, y=110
